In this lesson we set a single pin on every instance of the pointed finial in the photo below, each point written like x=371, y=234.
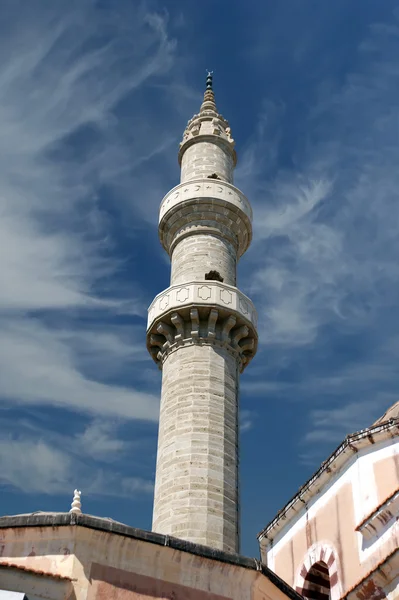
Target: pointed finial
x=209, y=97
x=209, y=78
x=76, y=506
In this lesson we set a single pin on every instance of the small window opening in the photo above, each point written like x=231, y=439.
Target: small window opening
x=214, y=176
x=213, y=276
x=317, y=583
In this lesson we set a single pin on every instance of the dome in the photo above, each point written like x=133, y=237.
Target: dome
x=391, y=413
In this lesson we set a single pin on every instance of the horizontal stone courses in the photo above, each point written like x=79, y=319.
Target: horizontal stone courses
x=181, y=467
x=197, y=453
x=204, y=425
x=202, y=344
x=203, y=494
x=214, y=444
x=168, y=458
x=196, y=506
x=187, y=412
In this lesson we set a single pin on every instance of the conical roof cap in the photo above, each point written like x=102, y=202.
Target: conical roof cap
x=391, y=413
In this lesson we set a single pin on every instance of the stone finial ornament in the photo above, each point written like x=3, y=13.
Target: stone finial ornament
x=208, y=122
x=76, y=506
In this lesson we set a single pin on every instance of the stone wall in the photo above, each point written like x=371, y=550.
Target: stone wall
x=206, y=158
x=101, y=559
x=197, y=482
x=196, y=255
x=350, y=525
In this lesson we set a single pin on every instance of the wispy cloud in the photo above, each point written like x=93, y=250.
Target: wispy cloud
x=247, y=418
x=66, y=73
x=39, y=460
x=324, y=262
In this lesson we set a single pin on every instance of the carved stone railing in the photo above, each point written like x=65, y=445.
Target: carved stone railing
x=202, y=312
x=205, y=206
x=205, y=188
x=206, y=293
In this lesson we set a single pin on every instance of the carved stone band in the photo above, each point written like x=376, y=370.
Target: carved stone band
x=205, y=207
x=202, y=313
x=207, y=293
x=205, y=188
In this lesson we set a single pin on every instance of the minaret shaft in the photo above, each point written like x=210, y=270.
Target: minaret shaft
x=195, y=255
x=207, y=158
x=196, y=491
x=202, y=333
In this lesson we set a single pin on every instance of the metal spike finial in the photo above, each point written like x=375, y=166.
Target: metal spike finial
x=209, y=78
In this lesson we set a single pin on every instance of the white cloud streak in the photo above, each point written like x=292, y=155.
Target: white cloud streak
x=38, y=460
x=64, y=73
x=324, y=259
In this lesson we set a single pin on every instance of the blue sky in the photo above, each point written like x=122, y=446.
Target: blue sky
x=94, y=98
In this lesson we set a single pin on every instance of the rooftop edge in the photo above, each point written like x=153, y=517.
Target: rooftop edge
x=106, y=524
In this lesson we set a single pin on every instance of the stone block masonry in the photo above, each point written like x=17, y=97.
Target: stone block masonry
x=207, y=158
x=202, y=333
x=194, y=256
x=196, y=495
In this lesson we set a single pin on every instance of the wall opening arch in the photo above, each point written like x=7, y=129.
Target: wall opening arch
x=317, y=583
x=320, y=561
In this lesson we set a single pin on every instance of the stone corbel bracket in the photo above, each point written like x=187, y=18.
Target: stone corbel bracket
x=202, y=313
x=209, y=206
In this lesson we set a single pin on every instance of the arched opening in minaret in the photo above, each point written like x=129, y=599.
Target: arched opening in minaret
x=214, y=176
x=317, y=584
x=213, y=276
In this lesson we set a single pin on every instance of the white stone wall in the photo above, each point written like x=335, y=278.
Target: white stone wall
x=196, y=255
x=359, y=473
x=205, y=158
x=196, y=491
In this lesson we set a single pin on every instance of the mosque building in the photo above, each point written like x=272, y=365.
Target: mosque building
x=337, y=538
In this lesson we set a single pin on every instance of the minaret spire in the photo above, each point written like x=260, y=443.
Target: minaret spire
x=209, y=96
x=202, y=334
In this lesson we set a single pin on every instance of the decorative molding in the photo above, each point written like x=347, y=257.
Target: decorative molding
x=387, y=511
x=182, y=294
x=324, y=553
x=209, y=314
x=204, y=292
x=211, y=293
x=226, y=297
x=205, y=188
x=208, y=206
x=213, y=329
x=76, y=506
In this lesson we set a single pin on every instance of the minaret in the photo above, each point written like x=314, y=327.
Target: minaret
x=202, y=333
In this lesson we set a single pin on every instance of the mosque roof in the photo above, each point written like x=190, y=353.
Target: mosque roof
x=391, y=413
x=56, y=519
x=385, y=427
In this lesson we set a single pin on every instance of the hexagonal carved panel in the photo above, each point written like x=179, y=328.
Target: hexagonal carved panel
x=243, y=306
x=164, y=302
x=226, y=296
x=182, y=294
x=204, y=292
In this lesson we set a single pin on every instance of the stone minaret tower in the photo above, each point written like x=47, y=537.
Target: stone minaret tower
x=202, y=334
